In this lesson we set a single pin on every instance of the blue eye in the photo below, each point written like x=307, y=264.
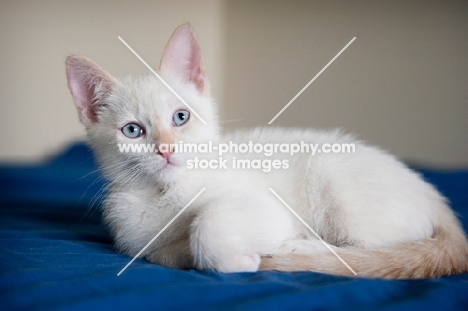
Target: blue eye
x=132, y=130
x=180, y=117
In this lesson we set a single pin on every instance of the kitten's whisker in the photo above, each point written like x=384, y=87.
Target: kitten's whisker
x=89, y=187
x=118, y=166
x=129, y=176
x=98, y=196
x=94, y=200
x=90, y=158
x=91, y=173
x=135, y=177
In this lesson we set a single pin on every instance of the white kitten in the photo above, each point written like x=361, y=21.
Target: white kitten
x=377, y=214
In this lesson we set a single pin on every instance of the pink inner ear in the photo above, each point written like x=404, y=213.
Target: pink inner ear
x=197, y=68
x=88, y=84
x=83, y=98
x=183, y=57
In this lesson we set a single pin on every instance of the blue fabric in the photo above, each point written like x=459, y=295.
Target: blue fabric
x=55, y=254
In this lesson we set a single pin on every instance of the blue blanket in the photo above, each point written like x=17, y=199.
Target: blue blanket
x=55, y=254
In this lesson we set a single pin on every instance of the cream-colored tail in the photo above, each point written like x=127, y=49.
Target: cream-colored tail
x=445, y=253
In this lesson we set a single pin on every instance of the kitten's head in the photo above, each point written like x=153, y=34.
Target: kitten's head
x=142, y=110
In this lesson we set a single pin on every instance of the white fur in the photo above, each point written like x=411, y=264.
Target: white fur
x=367, y=199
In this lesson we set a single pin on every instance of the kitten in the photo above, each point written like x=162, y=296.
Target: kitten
x=377, y=214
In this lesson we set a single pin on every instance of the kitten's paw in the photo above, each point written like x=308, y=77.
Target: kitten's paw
x=245, y=263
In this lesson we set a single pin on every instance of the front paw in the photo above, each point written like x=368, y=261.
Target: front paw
x=229, y=263
x=245, y=263
x=239, y=263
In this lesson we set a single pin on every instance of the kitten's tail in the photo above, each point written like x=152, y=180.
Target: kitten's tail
x=445, y=253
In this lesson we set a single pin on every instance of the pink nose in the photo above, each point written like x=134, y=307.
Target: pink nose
x=165, y=155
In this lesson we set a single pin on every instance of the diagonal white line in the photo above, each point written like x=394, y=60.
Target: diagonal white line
x=160, y=232
x=315, y=233
x=313, y=79
x=161, y=79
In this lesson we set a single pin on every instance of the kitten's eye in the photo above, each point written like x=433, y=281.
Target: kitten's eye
x=180, y=117
x=132, y=130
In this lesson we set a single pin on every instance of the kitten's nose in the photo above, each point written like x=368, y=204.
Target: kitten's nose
x=166, y=144
x=165, y=155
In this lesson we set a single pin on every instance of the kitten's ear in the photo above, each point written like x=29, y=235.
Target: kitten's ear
x=89, y=84
x=183, y=57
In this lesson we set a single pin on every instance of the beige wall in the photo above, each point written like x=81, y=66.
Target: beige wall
x=402, y=84
x=37, y=114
